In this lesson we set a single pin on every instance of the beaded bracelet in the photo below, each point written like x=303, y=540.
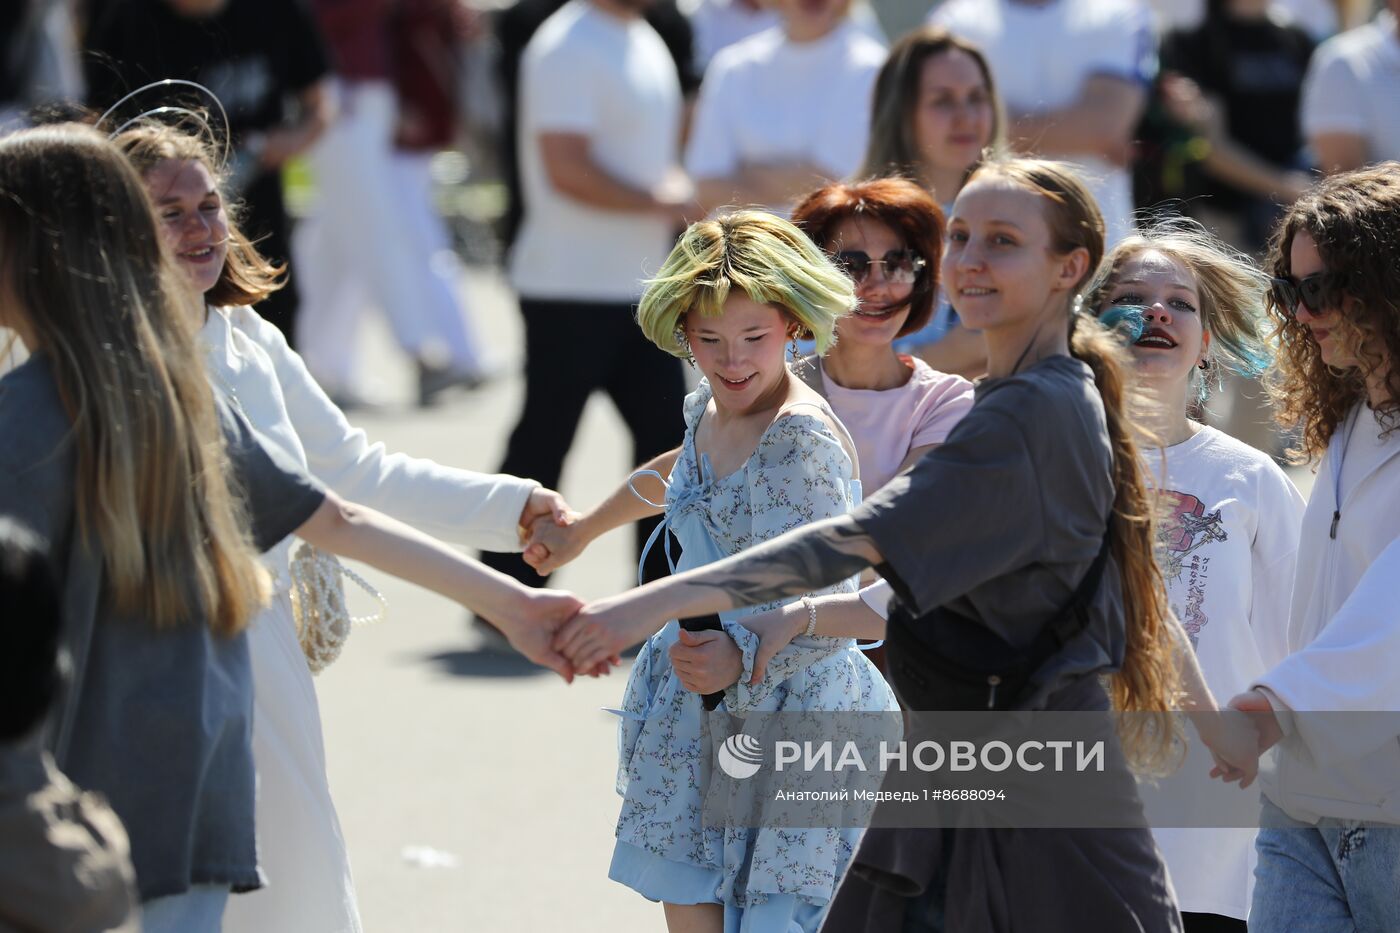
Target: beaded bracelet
x=811, y=616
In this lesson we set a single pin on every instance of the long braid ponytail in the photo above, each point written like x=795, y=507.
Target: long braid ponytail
x=1147, y=685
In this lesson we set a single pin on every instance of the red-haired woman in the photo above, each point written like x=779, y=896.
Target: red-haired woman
x=887, y=234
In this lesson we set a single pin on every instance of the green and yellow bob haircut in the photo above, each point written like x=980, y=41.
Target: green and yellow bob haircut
x=768, y=258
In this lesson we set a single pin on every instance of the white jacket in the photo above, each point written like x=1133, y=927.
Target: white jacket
x=1344, y=639
x=289, y=408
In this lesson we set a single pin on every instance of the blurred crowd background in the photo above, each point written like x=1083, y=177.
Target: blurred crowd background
x=378, y=145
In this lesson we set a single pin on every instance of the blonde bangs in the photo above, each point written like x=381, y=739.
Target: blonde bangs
x=765, y=257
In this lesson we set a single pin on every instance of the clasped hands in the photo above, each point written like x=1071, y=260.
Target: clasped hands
x=1238, y=735
x=573, y=638
x=554, y=628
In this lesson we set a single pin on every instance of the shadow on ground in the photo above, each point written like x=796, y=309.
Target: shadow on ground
x=485, y=664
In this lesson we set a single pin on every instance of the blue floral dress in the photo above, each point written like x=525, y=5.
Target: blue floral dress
x=778, y=880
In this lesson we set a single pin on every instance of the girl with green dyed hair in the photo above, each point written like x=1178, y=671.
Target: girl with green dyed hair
x=766, y=257
x=762, y=454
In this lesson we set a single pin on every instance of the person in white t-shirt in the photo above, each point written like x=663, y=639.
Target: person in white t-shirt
x=599, y=136
x=719, y=24
x=784, y=111
x=1351, y=96
x=1074, y=76
x=1329, y=842
x=1227, y=545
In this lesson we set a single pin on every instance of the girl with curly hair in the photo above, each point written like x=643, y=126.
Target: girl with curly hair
x=1336, y=298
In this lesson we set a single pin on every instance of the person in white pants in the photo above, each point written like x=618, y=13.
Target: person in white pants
x=364, y=243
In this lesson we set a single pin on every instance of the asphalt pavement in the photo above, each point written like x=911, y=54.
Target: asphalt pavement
x=475, y=790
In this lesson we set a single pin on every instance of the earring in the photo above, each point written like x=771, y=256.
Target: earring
x=683, y=342
x=792, y=346
x=1204, y=365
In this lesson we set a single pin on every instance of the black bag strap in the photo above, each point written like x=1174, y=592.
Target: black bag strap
x=1074, y=617
x=944, y=660
x=980, y=642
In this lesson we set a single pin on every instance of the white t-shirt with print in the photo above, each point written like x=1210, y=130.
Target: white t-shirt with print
x=768, y=100
x=1042, y=54
x=613, y=81
x=1227, y=552
x=1353, y=86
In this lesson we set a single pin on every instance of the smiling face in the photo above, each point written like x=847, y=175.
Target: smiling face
x=741, y=351
x=1322, y=323
x=1174, y=340
x=953, y=115
x=870, y=323
x=192, y=218
x=1000, y=269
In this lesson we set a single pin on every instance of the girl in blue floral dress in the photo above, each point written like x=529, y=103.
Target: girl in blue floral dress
x=762, y=454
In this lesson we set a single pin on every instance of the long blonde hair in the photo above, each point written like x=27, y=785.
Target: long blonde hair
x=1230, y=286
x=81, y=261
x=1149, y=681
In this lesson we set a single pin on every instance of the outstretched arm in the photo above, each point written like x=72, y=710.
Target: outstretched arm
x=552, y=544
x=797, y=562
x=529, y=618
x=1232, y=741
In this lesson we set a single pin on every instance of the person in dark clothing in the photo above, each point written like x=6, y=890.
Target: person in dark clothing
x=64, y=857
x=578, y=308
x=263, y=59
x=1236, y=79
x=15, y=40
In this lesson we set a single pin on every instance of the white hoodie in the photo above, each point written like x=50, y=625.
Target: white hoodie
x=1344, y=639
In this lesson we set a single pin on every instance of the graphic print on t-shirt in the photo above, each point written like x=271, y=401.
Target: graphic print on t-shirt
x=1187, y=528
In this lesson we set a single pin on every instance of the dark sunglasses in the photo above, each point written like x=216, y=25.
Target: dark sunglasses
x=1318, y=291
x=901, y=266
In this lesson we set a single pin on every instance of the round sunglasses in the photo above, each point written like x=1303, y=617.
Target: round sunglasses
x=1317, y=291
x=901, y=266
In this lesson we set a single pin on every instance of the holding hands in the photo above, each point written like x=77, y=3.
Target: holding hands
x=532, y=622
x=1239, y=734
x=709, y=662
x=594, y=639
x=554, y=541
x=544, y=507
